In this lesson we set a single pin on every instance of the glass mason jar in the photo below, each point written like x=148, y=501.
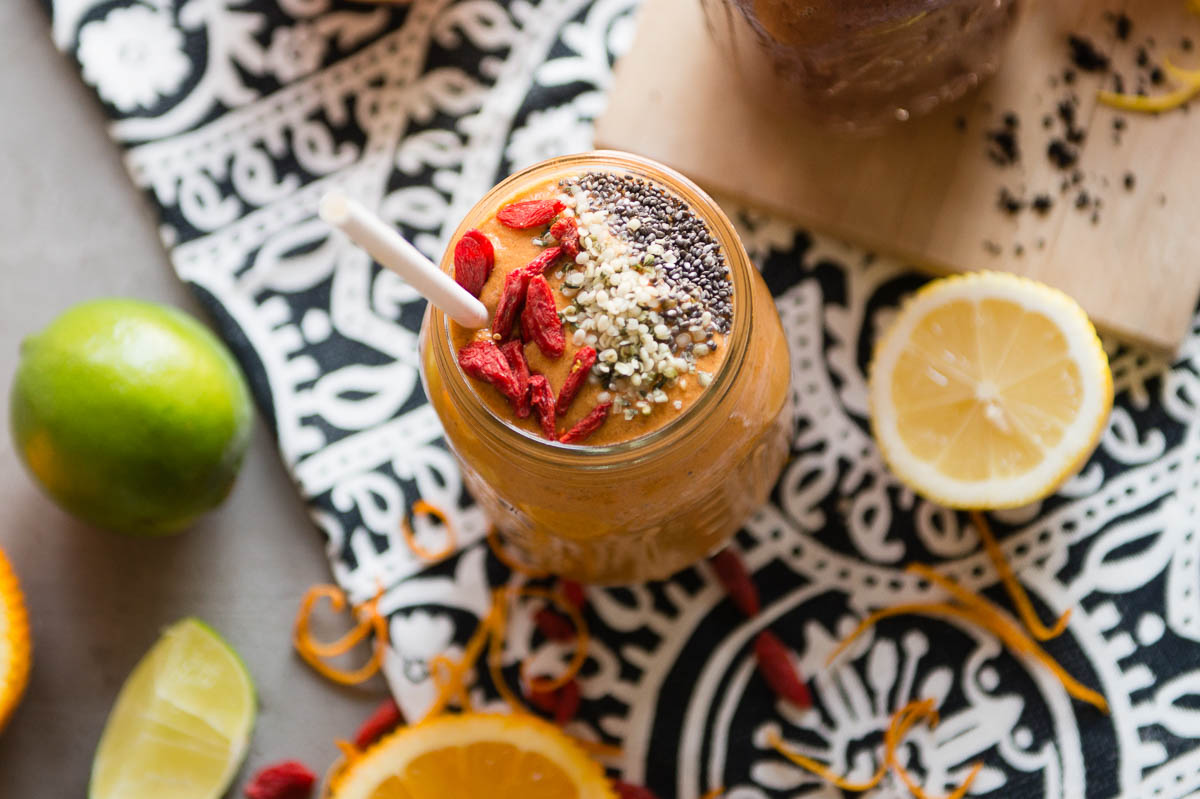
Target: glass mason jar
x=858, y=65
x=644, y=508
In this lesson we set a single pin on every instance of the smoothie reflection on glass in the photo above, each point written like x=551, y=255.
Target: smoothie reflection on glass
x=860, y=65
x=645, y=409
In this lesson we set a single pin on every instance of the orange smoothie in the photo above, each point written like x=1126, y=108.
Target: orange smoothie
x=628, y=406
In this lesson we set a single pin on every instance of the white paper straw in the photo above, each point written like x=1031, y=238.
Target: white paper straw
x=389, y=248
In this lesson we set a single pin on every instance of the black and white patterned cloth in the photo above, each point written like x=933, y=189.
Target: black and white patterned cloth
x=236, y=115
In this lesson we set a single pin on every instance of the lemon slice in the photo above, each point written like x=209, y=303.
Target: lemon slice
x=500, y=757
x=988, y=390
x=15, y=656
x=181, y=724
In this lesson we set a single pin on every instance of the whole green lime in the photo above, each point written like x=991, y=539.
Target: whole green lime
x=131, y=415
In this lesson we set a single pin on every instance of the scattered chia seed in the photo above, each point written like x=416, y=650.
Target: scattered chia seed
x=1002, y=147
x=1061, y=154
x=1122, y=26
x=960, y=123
x=1047, y=122
x=1085, y=56
x=1083, y=201
x=992, y=248
x=1157, y=76
x=1008, y=203
x=1042, y=204
x=1143, y=57
x=1185, y=44
x=1018, y=250
x=1068, y=76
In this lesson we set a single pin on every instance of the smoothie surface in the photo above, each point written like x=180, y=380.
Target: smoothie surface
x=649, y=292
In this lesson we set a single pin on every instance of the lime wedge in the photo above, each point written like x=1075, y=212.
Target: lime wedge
x=181, y=724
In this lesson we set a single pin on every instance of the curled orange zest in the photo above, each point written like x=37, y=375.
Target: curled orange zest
x=423, y=508
x=337, y=769
x=1016, y=591
x=599, y=749
x=715, y=793
x=450, y=677
x=902, y=721
x=313, y=652
x=989, y=619
x=821, y=770
x=502, y=555
x=454, y=683
x=542, y=684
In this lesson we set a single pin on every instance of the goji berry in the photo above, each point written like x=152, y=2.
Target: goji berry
x=627, y=791
x=526, y=323
x=484, y=361
x=512, y=296
x=585, y=358
x=514, y=353
x=542, y=398
x=733, y=575
x=544, y=261
x=554, y=625
x=545, y=701
x=776, y=667
x=474, y=258
x=587, y=425
x=573, y=591
x=529, y=213
x=546, y=327
x=290, y=779
x=568, y=703
x=386, y=718
x=566, y=232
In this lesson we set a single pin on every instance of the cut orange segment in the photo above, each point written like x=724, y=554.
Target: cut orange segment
x=988, y=391
x=475, y=754
x=15, y=657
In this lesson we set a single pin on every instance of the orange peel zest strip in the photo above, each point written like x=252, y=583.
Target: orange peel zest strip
x=337, y=601
x=496, y=653
x=902, y=721
x=1016, y=591
x=990, y=620
x=821, y=770
x=423, y=508
x=313, y=651
x=715, y=793
x=542, y=684
x=455, y=682
x=502, y=555
x=599, y=749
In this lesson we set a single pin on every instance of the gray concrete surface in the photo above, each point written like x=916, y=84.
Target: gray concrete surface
x=73, y=228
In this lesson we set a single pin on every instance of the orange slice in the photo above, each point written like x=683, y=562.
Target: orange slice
x=475, y=754
x=988, y=391
x=15, y=650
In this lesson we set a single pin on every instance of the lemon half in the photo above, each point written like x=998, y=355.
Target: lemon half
x=988, y=391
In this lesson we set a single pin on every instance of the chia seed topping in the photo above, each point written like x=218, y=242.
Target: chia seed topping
x=649, y=290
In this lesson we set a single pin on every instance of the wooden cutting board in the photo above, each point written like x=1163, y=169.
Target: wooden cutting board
x=928, y=192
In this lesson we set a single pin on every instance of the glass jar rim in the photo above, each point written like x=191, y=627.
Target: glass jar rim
x=502, y=431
